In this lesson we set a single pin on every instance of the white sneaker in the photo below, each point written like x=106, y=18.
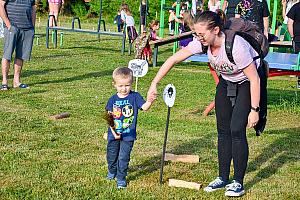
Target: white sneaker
x=234, y=189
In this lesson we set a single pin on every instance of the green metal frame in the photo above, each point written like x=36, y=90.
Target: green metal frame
x=162, y=18
x=175, y=46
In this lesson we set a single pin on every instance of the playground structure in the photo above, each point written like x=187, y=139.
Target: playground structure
x=285, y=44
x=176, y=36
x=167, y=40
x=98, y=32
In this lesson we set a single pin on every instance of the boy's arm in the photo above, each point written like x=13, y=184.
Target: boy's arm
x=116, y=135
x=147, y=105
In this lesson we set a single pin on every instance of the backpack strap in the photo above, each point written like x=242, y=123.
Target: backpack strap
x=229, y=46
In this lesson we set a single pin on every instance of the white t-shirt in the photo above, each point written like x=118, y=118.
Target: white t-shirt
x=213, y=8
x=221, y=63
x=123, y=15
x=129, y=20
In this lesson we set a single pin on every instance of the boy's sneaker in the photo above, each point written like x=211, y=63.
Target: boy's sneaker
x=218, y=183
x=121, y=184
x=234, y=189
x=110, y=176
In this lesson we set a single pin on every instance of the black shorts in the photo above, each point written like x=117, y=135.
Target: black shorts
x=143, y=20
x=296, y=46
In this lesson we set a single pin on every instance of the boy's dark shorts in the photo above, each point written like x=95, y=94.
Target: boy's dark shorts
x=18, y=40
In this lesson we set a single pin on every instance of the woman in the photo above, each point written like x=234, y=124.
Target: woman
x=231, y=120
x=54, y=8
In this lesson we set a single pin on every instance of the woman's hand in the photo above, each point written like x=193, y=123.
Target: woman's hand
x=152, y=92
x=253, y=118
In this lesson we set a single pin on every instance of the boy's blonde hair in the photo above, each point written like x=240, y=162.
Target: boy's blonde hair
x=122, y=73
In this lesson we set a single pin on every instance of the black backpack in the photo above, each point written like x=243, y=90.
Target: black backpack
x=253, y=35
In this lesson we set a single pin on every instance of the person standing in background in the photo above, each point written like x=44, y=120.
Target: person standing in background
x=230, y=6
x=256, y=11
x=19, y=20
x=124, y=7
x=118, y=21
x=294, y=29
x=286, y=6
x=143, y=14
x=54, y=8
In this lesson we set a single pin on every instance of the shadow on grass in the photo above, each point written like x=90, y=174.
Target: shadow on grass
x=154, y=163
x=277, y=97
x=96, y=48
x=77, y=78
x=282, y=151
x=28, y=73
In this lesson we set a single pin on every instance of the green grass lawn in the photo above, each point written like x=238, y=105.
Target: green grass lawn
x=65, y=159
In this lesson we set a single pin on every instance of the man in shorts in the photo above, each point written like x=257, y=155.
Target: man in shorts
x=19, y=20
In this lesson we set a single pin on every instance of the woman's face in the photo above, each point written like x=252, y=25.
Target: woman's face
x=204, y=35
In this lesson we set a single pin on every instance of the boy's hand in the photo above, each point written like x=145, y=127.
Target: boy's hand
x=146, y=106
x=116, y=135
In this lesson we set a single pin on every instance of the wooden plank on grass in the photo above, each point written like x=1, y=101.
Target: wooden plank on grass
x=184, y=184
x=60, y=116
x=182, y=158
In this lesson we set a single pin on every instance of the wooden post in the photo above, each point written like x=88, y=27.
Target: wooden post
x=60, y=116
x=182, y=158
x=184, y=184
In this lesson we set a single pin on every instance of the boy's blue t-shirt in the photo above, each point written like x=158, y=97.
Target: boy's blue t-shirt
x=125, y=112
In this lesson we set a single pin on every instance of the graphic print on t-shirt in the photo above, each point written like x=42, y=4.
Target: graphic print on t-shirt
x=222, y=67
x=123, y=116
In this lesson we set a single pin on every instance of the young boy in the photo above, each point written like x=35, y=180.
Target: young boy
x=118, y=21
x=124, y=106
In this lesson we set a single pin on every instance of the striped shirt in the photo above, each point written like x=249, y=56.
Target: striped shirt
x=19, y=13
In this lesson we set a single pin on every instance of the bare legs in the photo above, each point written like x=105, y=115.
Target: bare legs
x=17, y=71
x=53, y=10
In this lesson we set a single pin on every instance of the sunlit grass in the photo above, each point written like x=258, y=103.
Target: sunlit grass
x=65, y=159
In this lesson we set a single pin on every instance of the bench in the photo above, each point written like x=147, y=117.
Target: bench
x=167, y=40
x=55, y=28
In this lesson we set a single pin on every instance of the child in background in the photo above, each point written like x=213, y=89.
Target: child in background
x=118, y=21
x=213, y=5
x=123, y=9
x=131, y=31
x=186, y=22
x=171, y=20
x=143, y=49
x=154, y=26
x=124, y=106
x=143, y=14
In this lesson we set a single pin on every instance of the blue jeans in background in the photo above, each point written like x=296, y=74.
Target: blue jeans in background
x=118, y=157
